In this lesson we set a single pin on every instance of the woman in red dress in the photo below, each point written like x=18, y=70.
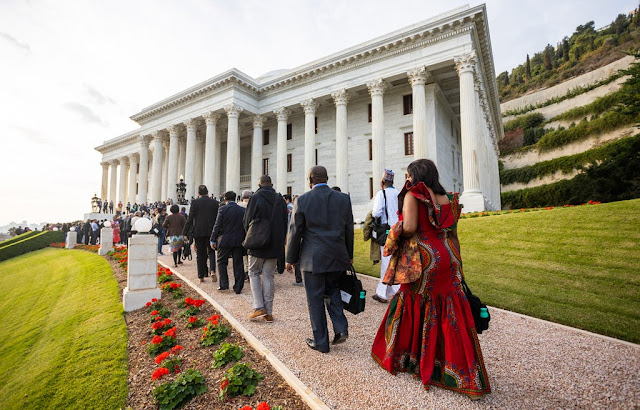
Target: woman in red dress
x=428, y=329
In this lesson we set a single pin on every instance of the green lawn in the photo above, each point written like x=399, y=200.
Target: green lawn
x=65, y=339
x=578, y=266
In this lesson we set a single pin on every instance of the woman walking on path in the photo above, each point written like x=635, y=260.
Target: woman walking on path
x=174, y=224
x=428, y=329
x=115, y=224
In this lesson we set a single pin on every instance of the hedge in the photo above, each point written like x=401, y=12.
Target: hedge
x=616, y=178
x=17, y=238
x=568, y=163
x=597, y=107
x=33, y=243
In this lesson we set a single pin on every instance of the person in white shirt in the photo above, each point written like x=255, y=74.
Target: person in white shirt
x=385, y=200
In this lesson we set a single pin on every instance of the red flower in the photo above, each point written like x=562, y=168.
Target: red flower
x=160, y=358
x=214, y=319
x=224, y=383
x=176, y=349
x=154, y=300
x=193, y=319
x=246, y=408
x=154, y=312
x=166, y=322
x=171, y=332
x=157, y=318
x=156, y=340
x=263, y=406
x=159, y=373
x=174, y=285
x=148, y=304
x=157, y=325
x=188, y=301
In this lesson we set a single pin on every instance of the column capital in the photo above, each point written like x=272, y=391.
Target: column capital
x=114, y=162
x=233, y=110
x=105, y=164
x=143, y=140
x=310, y=105
x=191, y=124
x=133, y=157
x=282, y=113
x=211, y=118
x=418, y=76
x=341, y=97
x=465, y=63
x=124, y=160
x=377, y=87
x=258, y=121
x=173, y=130
x=157, y=136
x=165, y=145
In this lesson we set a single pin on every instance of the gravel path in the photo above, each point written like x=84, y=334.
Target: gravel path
x=531, y=363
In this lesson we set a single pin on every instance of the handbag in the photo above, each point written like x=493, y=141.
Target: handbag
x=481, y=322
x=351, y=292
x=380, y=231
x=259, y=233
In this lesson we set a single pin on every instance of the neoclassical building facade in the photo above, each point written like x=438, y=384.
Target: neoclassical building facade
x=425, y=91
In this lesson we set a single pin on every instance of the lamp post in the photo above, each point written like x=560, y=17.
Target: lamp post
x=181, y=188
x=94, y=203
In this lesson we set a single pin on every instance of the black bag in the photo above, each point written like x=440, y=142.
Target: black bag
x=381, y=230
x=482, y=323
x=351, y=292
x=259, y=233
x=186, y=249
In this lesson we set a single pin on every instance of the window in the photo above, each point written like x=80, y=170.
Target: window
x=407, y=104
x=370, y=188
x=265, y=138
x=453, y=158
x=316, y=156
x=289, y=131
x=289, y=163
x=370, y=150
x=289, y=191
x=138, y=168
x=316, y=124
x=265, y=166
x=370, y=110
x=408, y=143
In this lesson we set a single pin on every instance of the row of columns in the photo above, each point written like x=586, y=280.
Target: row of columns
x=184, y=155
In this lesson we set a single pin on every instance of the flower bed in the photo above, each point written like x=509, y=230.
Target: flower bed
x=181, y=369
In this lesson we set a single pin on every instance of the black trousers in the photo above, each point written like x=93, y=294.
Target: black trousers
x=238, y=267
x=316, y=286
x=202, y=255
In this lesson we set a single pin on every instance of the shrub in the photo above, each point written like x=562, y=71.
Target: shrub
x=186, y=386
x=225, y=354
x=525, y=122
x=30, y=243
x=17, y=238
x=240, y=379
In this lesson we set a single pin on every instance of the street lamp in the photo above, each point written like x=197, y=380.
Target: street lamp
x=181, y=188
x=94, y=204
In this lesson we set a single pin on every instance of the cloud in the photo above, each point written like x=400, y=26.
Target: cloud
x=98, y=96
x=16, y=42
x=85, y=112
x=32, y=135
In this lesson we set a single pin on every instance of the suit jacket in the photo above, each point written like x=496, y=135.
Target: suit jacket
x=321, y=231
x=228, y=231
x=202, y=217
x=261, y=206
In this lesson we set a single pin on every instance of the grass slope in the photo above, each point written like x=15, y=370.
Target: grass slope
x=65, y=340
x=577, y=266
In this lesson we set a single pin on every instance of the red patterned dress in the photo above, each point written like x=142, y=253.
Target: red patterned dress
x=428, y=329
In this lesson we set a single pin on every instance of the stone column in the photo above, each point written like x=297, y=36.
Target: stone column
x=281, y=149
x=122, y=182
x=72, y=239
x=106, y=241
x=144, y=170
x=310, y=107
x=156, y=176
x=210, y=165
x=377, y=89
x=471, y=195
x=198, y=169
x=182, y=157
x=165, y=170
x=430, y=140
x=141, y=272
x=133, y=165
x=233, y=148
x=172, y=171
x=256, y=151
x=113, y=181
x=418, y=78
x=341, y=98
x=190, y=162
x=104, y=189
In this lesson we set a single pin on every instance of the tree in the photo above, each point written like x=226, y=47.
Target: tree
x=528, y=68
x=506, y=78
x=630, y=91
x=565, y=48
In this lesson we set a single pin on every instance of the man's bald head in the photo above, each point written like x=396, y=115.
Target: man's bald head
x=318, y=175
x=264, y=180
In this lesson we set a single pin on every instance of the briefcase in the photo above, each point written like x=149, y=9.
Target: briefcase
x=351, y=292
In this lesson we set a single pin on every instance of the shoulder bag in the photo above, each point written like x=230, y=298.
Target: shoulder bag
x=259, y=233
x=481, y=322
x=381, y=230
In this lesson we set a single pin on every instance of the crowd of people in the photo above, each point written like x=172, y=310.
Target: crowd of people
x=428, y=329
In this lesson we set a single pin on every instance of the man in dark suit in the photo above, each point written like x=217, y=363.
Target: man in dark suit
x=226, y=238
x=267, y=204
x=202, y=217
x=321, y=240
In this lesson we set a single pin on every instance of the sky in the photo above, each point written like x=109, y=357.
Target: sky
x=73, y=72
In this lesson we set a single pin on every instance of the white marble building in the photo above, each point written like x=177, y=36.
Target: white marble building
x=425, y=91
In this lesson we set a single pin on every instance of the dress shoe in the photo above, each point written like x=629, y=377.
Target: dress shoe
x=257, y=314
x=201, y=280
x=222, y=289
x=312, y=344
x=379, y=299
x=180, y=262
x=297, y=284
x=268, y=318
x=340, y=338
